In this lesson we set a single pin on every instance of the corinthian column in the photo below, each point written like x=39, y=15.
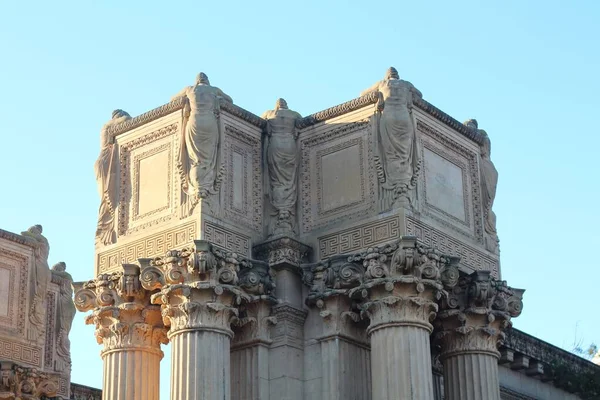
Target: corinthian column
x=130, y=330
x=470, y=327
x=402, y=283
x=199, y=295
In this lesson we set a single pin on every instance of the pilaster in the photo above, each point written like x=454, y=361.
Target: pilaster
x=469, y=329
x=129, y=328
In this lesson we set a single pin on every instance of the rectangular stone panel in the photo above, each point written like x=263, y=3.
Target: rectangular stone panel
x=6, y=278
x=337, y=177
x=14, y=271
x=359, y=237
x=153, y=180
x=445, y=186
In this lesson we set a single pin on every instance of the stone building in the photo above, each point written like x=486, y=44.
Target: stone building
x=36, y=313
x=349, y=254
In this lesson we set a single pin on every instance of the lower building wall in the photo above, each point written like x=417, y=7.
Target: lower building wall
x=517, y=385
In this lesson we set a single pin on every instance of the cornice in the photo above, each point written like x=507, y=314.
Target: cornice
x=15, y=237
x=178, y=104
x=535, y=348
x=329, y=113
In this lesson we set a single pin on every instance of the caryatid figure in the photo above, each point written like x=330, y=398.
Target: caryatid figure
x=282, y=166
x=489, y=181
x=40, y=277
x=65, y=312
x=200, y=133
x=397, y=142
x=106, y=179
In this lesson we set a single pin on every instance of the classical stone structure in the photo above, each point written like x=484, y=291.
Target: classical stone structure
x=350, y=254
x=36, y=313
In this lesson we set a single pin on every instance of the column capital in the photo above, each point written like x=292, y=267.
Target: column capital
x=121, y=311
x=283, y=253
x=18, y=382
x=201, y=288
x=475, y=314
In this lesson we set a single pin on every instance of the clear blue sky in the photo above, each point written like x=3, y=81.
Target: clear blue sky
x=527, y=70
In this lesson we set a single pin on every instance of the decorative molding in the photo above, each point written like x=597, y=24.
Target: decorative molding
x=17, y=320
x=178, y=104
x=282, y=251
x=81, y=392
x=471, y=134
x=338, y=110
x=14, y=237
x=19, y=352
x=354, y=210
x=509, y=394
x=151, y=246
x=226, y=239
x=360, y=237
x=128, y=186
x=247, y=146
x=469, y=256
x=165, y=147
x=50, y=325
x=473, y=175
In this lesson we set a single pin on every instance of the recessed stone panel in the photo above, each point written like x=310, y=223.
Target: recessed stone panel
x=445, y=186
x=153, y=182
x=6, y=278
x=339, y=172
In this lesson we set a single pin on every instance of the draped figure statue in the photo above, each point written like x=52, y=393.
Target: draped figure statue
x=199, y=142
x=106, y=179
x=65, y=312
x=489, y=181
x=397, y=153
x=40, y=277
x=282, y=166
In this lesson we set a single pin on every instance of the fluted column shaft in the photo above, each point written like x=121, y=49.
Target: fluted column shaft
x=200, y=366
x=131, y=374
x=199, y=320
x=471, y=377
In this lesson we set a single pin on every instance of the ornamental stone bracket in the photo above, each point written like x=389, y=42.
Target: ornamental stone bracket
x=283, y=252
x=19, y=382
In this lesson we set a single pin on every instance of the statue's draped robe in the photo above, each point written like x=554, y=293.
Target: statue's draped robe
x=282, y=159
x=397, y=141
x=65, y=313
x=40, y=278
x=106, y=178
x=489, y=181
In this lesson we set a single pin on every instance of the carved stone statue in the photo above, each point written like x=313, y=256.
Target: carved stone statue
x=200, y=133
x=106, y=178
x=65, y=312
x=40, y=277
x=489, y=181
x=282, y=165
x=398, y=154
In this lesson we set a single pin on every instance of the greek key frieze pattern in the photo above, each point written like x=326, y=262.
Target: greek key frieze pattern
x=152, y=246
x=468, y=255
x=20, y=352
x=226, y=239
x=359, y=237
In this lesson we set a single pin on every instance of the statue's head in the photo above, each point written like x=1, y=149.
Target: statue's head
x=118, y=113
x=471, y=123
x=36, y=229
x=59, y=267
x=392, y=73
x=281, y=104
x=202, y=79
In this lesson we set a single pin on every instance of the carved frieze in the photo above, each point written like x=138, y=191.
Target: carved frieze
x=225, y=238
x=20, y=382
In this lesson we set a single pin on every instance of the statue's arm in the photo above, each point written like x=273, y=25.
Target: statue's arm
x=374, y=88
x=182, y=93
x=415, y=91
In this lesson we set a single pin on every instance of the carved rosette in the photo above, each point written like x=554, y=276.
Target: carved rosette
x=18, y=382
x=202, y=288
x=121, y=311
x=475, y=315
